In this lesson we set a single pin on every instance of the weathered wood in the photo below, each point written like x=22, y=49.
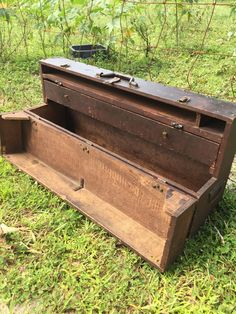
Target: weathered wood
x=136, y=159
x=21, y=116
x=166, y=94
x=140, y=196
x=145, y=107
x=70, y=129
x=124, y=192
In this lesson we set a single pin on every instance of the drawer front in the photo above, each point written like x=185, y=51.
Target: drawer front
x=177, y=141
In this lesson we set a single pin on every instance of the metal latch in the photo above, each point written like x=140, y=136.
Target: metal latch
x=177, y=125
x=113, y=80
x=117, y=77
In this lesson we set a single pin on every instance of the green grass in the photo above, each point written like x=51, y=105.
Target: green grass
x=65, y=263
x=60, y=262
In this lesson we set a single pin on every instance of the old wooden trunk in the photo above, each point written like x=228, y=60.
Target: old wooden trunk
x=145, y=161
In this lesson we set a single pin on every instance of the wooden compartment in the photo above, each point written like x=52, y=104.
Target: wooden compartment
x=132, y=157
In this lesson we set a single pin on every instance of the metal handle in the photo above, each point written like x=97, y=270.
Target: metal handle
x=121, y=76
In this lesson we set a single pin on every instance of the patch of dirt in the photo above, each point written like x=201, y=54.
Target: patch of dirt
x=25, y=308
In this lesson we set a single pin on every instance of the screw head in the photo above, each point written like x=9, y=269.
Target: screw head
x=164, y=134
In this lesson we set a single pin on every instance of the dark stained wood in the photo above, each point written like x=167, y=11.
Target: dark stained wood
x=136, y=165
x=166, y=163
x=178, y=155
x=55, y=113
x=10, y=136
x=136, y=160
x=178, y=232
x=170, y=95
x=226, y=152
x=208, y=197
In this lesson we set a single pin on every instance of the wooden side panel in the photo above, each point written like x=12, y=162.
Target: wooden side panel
x=146, y=243
x=138, y=195
x=176, y=155
x=55, y=113
x=208, y=197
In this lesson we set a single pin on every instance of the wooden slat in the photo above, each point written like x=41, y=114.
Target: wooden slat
x=151, y=90
x=137, y=208
x=10, y=136
x=21, y=116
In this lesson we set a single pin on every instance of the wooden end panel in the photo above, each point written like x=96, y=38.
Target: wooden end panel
x=137, y=194
x=10, y=136
x=178, y=232
x=208, y=197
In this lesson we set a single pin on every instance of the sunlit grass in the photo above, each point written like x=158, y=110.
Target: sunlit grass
x=60, y=262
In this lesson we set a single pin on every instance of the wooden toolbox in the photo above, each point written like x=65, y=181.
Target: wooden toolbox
x=145, y=161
